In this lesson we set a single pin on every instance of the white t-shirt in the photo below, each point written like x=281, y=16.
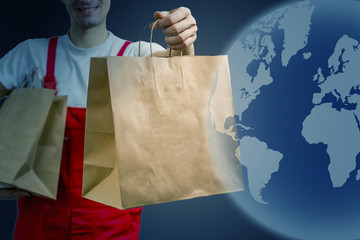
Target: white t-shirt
x=71, y=65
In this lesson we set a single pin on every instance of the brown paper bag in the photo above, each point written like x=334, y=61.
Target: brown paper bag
x=32, y=124
x=155, y=130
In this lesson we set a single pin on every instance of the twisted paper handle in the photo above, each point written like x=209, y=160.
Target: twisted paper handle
x=151, y=34
x=33, y=78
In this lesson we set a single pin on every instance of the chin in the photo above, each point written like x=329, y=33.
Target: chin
x=89, y=23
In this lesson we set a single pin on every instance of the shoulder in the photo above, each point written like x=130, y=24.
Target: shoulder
x=132, y=50
x=30, y=47
x=21, y=60
x=36, y=43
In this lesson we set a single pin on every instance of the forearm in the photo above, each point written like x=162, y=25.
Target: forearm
x=12, y=193
x=3, y=91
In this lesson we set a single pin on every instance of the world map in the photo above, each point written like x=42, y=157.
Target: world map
x=296, y=87
x=257, y=52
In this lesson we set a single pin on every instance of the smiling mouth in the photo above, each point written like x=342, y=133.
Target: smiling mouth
x=87, y=10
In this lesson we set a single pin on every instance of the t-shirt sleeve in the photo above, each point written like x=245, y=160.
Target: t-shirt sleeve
x=133, y=49
x=12, y=66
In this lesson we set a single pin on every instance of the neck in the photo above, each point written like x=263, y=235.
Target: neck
x=88, y=37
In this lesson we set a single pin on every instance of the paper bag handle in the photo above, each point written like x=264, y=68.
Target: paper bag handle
x=32, y=77
x=151, y=34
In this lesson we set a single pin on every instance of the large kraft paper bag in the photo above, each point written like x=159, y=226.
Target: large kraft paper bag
x=157, y=130
x=32, y=124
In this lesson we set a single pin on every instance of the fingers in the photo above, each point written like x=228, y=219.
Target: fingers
x=179, y=25
x=183, y=39
x=170, y=18
x=11, y=193
x=158, y=15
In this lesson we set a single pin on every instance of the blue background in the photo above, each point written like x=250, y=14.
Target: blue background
x=219, y=22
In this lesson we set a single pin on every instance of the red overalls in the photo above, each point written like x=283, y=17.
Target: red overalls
x=71, y=216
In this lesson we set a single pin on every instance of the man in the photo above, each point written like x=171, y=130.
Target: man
x=73, y=217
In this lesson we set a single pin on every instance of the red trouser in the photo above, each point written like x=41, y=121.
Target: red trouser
x=71, y=216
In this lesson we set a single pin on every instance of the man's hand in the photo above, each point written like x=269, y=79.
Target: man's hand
x=11, y=193
x=180, y=29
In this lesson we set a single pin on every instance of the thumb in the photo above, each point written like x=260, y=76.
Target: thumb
x=160, y=14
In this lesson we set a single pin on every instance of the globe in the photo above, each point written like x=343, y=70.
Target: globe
x=296, y=86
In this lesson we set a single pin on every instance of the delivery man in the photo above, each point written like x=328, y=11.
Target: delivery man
x=64, y=63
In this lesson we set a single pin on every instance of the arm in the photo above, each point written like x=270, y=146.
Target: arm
x=180, y=29
x=3, y=91
x=11, y=193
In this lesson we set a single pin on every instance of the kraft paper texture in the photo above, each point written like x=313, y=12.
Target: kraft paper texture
x=155, y=129
x=32, y=124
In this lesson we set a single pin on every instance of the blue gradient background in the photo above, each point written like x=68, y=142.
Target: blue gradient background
x=219, y=22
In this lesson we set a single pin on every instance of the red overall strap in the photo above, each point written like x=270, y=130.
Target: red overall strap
x=75, y=118
x=123, y=48
x=71, y=216
x=49, y=79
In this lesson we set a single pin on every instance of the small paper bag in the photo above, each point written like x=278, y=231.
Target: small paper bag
x=32, y=124
x=155, y=130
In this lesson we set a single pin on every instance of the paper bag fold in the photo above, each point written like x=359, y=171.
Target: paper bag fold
x=32, y=124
